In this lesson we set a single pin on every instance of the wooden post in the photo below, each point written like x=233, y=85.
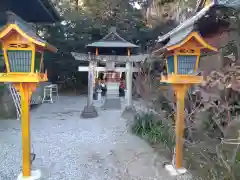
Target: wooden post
x=94, y=72
x=179, y=122
x=97, y=52
x=26, y=90
x=128, y=52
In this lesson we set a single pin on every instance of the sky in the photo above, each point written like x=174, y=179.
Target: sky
x=136, y=5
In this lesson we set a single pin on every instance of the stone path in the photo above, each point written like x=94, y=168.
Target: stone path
x=71, y=148
x=112, y=103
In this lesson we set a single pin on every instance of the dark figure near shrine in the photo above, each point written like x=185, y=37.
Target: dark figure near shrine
x=103, y=88
x=122, y=88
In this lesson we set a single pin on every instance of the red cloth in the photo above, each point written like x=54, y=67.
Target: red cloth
x=122, y=86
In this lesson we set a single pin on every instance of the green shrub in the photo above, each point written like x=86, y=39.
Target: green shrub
x=154, y=130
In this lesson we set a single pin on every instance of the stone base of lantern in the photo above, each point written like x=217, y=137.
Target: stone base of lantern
x=89, y=112
x=35, y=175
x=173, y=171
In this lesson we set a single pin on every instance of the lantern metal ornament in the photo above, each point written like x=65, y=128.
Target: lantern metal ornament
x=182, y=60
x=23, y=56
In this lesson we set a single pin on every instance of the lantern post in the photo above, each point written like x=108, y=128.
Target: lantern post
x=182, y=61
x=23, y=56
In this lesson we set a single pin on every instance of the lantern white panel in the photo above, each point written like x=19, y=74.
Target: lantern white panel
x=186, y=64
x=19, y=61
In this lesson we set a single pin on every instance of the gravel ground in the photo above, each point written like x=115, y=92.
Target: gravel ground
x=71, y=148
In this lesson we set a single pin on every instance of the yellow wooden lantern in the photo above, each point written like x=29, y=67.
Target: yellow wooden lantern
x=23, y=55
x=182, y=60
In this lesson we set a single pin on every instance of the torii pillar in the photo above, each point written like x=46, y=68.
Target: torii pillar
x=129, y=108
x=89, y=110
x=129, y=75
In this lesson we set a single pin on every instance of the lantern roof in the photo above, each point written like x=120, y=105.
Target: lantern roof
x=16, y=24
x=178, y=37
x=204, y=21
x=35, y=11
x=114, y=40
x=182, y=37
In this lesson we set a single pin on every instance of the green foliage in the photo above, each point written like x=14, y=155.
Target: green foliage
x=152, y=129
x=87, y=23
x=2, y=88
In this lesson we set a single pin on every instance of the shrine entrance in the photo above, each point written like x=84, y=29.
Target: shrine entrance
x=113, y=79
x=117, y=56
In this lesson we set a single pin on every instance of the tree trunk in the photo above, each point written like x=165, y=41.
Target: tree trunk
x=238, y=37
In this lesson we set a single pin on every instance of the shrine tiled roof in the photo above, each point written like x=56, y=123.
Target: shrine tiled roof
x=228, y=3
x=113, y=39
x=35, y=11
x=189, y=23
x=112, y=44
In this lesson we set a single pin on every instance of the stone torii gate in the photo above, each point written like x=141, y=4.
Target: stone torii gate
x=101, y=54
x=124, y=59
